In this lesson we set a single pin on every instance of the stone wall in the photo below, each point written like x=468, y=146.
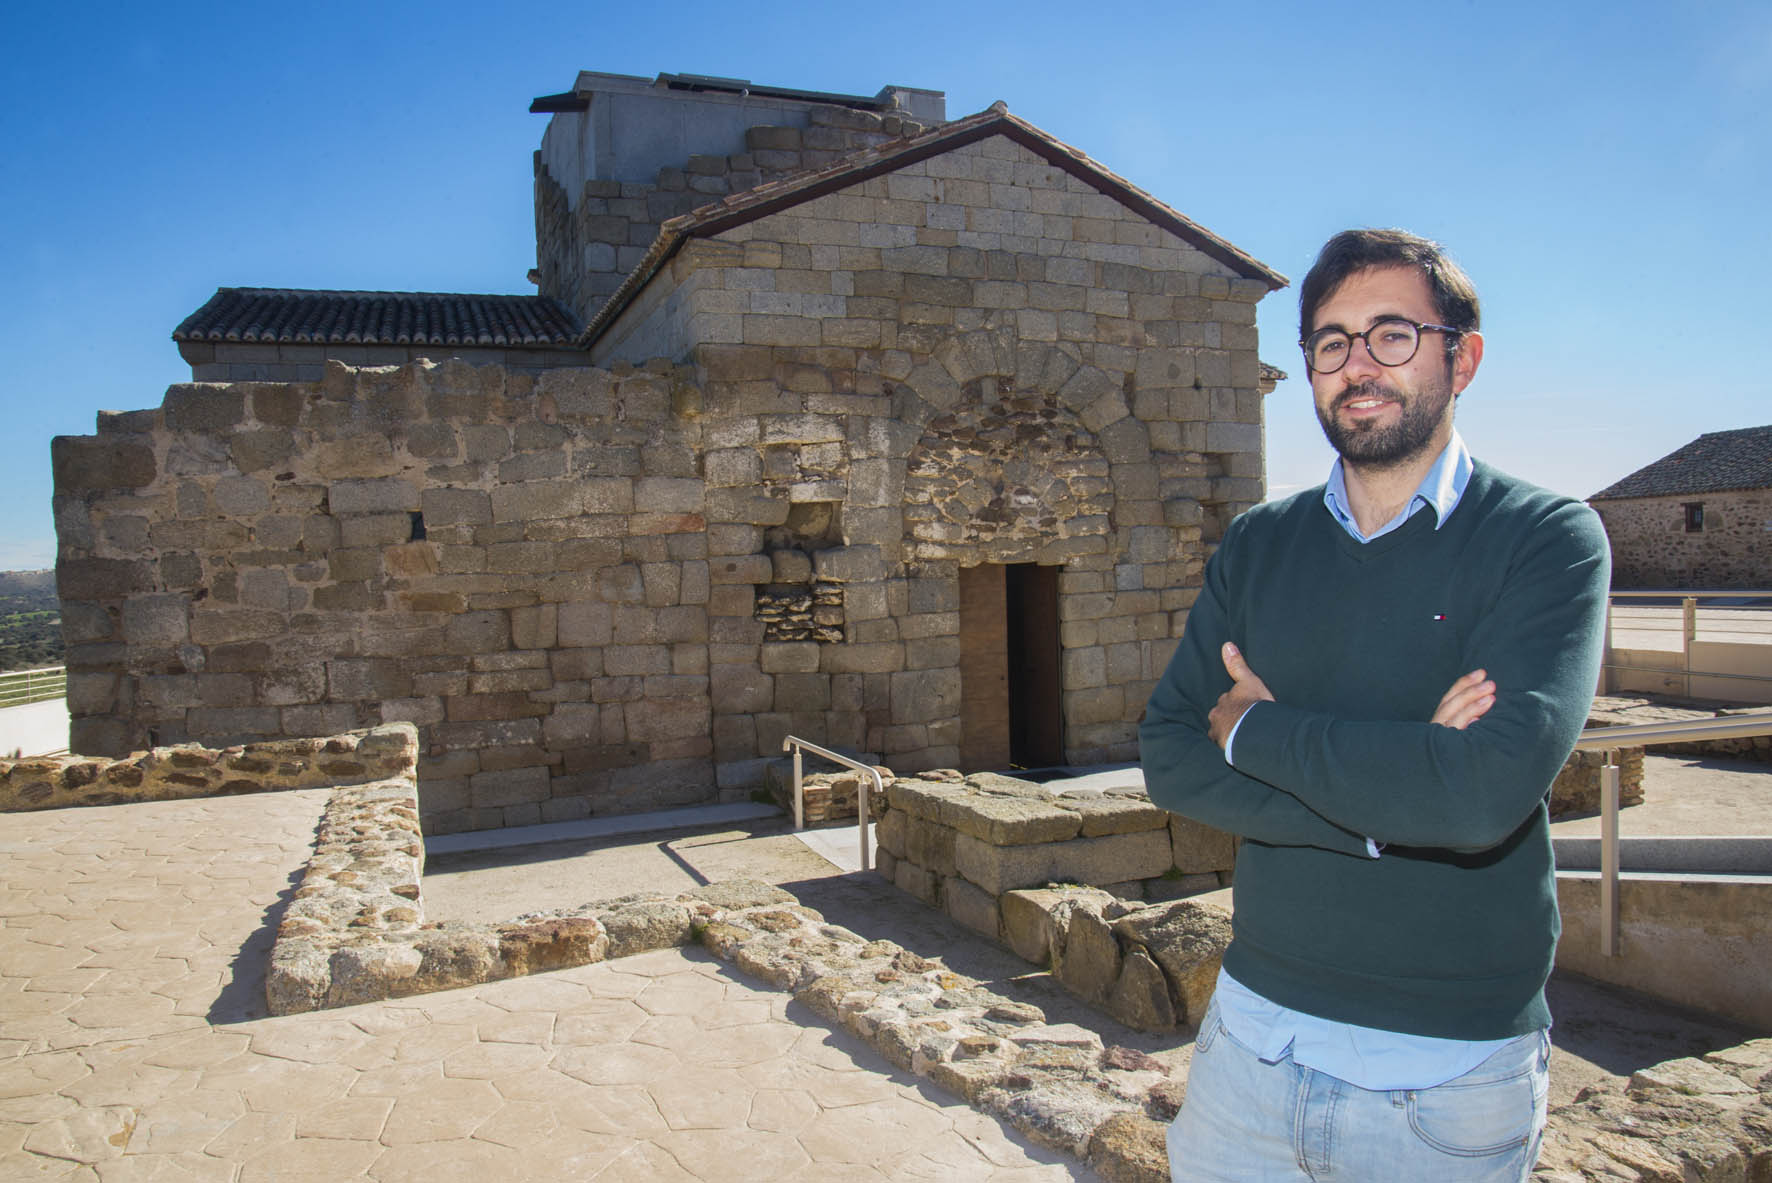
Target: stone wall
x=271, y=361
x=1652, y=549
x=515, y=564
x=177, y=773
x=606, y=590
x=587, y=243
x=978, y=358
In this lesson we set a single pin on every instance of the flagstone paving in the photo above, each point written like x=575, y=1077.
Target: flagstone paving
x=134, y=1043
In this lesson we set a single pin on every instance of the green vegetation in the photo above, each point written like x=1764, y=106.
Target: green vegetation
x=30, y=621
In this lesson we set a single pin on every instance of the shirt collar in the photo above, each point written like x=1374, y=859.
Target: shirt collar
x=1440, y=490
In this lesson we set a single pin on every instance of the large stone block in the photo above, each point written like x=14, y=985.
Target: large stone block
x=84, y=464
x=1187, y=938
x=1116, y=815
x=919, y=696
x=1010, y=821
x=1112, y=858
x=379, y=495
x=741, y=689
x=1087, y=959
x=927, y=843
x=971, y=906
x=1140, y=998
x=1199, y=847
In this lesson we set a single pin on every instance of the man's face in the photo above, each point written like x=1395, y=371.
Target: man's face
x=1380, y=417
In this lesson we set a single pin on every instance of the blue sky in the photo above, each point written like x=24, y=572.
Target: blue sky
x=1602, y=170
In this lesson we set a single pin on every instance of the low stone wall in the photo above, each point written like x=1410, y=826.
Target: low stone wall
x=1683, y=1121
x=1014, y=861
x=1576, y=790
x=831, y=796
x=1614, y=710
x=189, y=770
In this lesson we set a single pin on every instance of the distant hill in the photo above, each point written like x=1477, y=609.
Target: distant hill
x=24, y=583
x=30, y=620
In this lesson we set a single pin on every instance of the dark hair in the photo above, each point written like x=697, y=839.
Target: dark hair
x=1455, y=297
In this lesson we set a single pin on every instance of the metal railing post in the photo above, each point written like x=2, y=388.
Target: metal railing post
x=863, y=806
x=1689, y=631
x=799, y=806
x=1609, y=859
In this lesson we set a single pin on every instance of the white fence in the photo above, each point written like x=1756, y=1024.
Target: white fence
x=19, y=687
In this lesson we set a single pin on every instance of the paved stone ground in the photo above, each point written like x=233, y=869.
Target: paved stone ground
x=133, y=1042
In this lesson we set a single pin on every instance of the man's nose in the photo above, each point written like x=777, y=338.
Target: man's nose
x=1361, y=365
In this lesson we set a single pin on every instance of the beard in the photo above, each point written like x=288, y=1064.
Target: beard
x=1370, y=444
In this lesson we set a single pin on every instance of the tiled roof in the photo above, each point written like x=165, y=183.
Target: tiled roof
x=294, y=316
x=856, y=167
x=1716, y=462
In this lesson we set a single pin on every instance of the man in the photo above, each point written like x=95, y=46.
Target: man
x=1378, y=683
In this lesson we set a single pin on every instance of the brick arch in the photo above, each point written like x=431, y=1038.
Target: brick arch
x=1004, y=478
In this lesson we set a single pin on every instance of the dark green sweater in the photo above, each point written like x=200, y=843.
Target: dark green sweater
x=1452, y=930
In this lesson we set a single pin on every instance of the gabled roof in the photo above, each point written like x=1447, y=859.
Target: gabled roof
x=856, y=167
x=1716, y=462
x=294, y=316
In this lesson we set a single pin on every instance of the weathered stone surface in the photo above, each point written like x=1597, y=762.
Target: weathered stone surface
x=1130, y=1148
x=1029, y=926
x=176, y=773
x=1114, y=815
x=1187, y=938
x=1087, y=959
x=1140, y=998
x=1199, y=847
x=1109, y=859
x=1010, y=821
x=971, y=906
x=644, y=926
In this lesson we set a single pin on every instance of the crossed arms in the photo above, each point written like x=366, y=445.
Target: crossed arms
x=1464, y=779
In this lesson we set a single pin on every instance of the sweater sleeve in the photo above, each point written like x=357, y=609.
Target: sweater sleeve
x=1185, y=772
x=1421, y=784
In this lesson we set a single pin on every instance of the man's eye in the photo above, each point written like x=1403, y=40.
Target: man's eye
x=1331, y=347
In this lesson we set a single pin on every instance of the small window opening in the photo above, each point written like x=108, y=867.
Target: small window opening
x=418, y=526
x=1694, y=517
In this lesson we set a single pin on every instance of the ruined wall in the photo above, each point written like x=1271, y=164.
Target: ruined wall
x=1652, y=549
x=516, y=565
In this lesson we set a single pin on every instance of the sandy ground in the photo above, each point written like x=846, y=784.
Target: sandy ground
x=1602, y=1034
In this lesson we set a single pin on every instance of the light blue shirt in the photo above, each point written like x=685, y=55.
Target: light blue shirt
x=1366, y=1057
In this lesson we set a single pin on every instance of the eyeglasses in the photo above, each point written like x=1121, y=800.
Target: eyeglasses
x=1391, y=342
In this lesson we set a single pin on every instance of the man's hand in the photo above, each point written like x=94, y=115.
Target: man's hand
x=1468, y=700
x=1246, y=690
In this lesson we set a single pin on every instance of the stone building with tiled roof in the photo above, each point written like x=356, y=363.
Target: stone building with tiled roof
x=831, y=417
x=1699, y=517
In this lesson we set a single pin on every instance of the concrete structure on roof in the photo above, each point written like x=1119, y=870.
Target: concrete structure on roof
x=905, y=436
x=1699, y=517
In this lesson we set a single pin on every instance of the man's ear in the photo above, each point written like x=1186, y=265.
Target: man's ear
x=1466, y=360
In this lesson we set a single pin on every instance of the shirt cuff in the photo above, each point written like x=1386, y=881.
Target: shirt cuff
x=1231, y=739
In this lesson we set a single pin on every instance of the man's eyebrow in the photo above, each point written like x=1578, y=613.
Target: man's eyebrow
x=1380, y=316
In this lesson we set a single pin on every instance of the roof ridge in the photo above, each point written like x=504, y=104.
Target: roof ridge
x=760, y=200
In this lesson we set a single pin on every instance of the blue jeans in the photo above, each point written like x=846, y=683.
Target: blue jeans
x=1246, y=1120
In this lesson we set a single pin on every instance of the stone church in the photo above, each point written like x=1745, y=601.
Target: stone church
x=832, y=417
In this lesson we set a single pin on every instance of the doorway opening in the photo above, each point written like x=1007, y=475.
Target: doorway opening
x=1011, y=703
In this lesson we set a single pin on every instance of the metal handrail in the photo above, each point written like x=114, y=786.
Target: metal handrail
x=20, y=687
x=796, y=745
x=1687, y=629
x=1609, y=740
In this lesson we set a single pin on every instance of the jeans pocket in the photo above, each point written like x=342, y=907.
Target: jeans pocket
x=1479, y=1118
x=1209, y=1027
